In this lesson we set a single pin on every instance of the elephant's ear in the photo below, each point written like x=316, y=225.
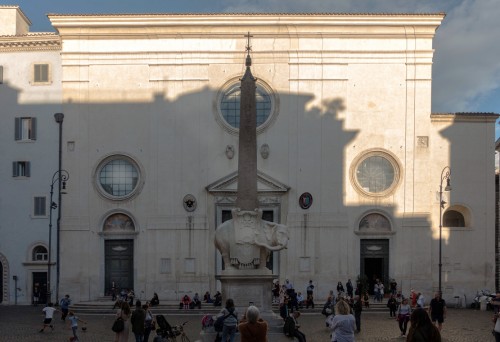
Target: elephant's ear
x=269, y=230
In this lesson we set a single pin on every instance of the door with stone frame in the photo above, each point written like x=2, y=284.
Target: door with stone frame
x=39, y=280
x=119, y=264
x=374, y=261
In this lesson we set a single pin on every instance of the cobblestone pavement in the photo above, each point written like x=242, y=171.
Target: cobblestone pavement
x=21, y=323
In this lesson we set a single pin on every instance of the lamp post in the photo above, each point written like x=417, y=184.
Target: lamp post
x=60, y=176
x=445, y=175
x=59, y=117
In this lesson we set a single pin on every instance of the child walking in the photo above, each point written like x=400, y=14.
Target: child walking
x=73, y=320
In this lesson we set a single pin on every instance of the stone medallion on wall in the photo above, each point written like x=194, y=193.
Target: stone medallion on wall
x=189, y=202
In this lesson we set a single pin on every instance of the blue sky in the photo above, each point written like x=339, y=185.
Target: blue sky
x=466, y=69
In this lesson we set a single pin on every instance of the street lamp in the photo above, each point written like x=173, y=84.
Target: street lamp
x=445, y=174
x=59, y=117
x=60, y=176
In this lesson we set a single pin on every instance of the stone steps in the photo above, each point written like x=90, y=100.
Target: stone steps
x=105, y=306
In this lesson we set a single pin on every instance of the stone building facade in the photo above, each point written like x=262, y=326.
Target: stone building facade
x=30, y=94
x=350, y=156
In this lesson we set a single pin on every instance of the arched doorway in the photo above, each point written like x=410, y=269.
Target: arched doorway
x=118, y=252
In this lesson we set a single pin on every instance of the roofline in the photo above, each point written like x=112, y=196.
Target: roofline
x=251, y=14
x=20, y=11
x=425, y=24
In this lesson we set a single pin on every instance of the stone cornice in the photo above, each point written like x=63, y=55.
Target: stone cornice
x=464, y=117
x=230, y=25
x=30, y=42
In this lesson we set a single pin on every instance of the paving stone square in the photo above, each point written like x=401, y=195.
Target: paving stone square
x=22, y=323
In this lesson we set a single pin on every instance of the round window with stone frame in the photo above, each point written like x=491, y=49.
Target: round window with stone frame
x=375, y=173
x=118, y=177
x=228, y=106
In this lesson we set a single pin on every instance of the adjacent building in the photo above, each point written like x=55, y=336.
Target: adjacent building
x=30, y=94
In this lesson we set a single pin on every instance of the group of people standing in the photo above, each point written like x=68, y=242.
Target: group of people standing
x=141, y=319
x=402, y=310
x=425, y=324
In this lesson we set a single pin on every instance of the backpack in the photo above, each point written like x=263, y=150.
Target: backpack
x=289, y=327
x=219, y=322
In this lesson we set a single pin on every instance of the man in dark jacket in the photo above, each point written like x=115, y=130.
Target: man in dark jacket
x=137, y=320
x=357, y=307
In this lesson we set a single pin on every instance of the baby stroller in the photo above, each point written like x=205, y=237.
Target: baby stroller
x=167, y=333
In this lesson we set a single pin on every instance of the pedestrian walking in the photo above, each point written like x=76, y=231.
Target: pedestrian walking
x=138, y=321
x=404, y=312
x=124, y=314
x=357, y=307
x=392, y=304
x=149, y=321
x=437, y=310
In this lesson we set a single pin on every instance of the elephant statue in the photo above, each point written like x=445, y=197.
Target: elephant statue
x=246, y=241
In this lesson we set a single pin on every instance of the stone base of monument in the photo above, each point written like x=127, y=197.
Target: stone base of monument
x=250, y=287
x=253, y=287
x=274, y=333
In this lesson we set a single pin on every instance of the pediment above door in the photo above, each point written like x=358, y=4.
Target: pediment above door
x=229, y=185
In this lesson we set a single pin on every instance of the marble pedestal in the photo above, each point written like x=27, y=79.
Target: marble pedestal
x=253, y=287
x=250, y=287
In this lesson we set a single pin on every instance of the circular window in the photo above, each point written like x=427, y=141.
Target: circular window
x=228, y=105
x=375, y=173
x=118, y=177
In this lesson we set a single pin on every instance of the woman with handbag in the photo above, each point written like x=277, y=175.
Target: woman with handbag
x=124, y=314
x=149, y=321
x=403, y=316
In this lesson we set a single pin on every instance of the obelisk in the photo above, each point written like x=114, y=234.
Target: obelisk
x=247, y=151
x=246, y=241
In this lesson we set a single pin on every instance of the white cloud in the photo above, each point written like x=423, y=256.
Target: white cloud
x=466, y=64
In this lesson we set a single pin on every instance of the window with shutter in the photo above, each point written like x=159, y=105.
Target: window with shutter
x=39, y=206
x=25, y=128
x=21, y=169
x=41, y=73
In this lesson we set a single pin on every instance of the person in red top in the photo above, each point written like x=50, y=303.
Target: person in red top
x=252, y=328
x=185, y=301
x=413, y=297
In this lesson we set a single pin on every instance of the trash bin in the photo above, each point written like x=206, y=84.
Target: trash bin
x=482, y=305
x=458, y=302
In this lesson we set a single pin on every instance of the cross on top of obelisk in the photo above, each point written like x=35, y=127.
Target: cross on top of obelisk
x=248, y=47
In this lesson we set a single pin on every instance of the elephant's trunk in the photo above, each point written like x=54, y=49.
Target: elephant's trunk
x=271, y=248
